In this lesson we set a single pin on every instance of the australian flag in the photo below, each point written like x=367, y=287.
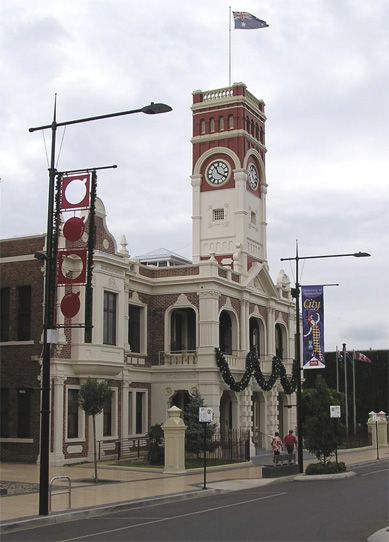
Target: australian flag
x=246, y=21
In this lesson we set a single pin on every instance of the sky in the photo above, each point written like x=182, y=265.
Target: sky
x=321, y=68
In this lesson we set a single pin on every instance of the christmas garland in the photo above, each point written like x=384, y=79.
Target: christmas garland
x=253, y=368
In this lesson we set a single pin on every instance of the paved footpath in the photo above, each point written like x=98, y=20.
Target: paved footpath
x=121, y=485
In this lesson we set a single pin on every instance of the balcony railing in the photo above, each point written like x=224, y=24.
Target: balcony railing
x=182, y=357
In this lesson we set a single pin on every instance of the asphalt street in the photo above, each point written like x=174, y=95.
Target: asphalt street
x=349, y=509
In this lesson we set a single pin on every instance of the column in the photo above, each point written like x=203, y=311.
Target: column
x=57, y=457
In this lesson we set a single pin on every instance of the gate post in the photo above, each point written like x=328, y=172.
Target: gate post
x=174, y=434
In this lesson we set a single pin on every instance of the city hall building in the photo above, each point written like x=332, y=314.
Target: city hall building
x=157, y=319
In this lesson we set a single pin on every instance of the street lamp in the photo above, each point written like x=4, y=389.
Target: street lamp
x=50, y=264
x=296, y=294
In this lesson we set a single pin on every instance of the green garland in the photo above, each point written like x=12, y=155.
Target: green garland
x=253, y=368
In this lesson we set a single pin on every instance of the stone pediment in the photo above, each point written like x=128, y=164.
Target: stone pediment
x=260, y=281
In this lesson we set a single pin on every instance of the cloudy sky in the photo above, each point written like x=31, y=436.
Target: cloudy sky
x=322, y=69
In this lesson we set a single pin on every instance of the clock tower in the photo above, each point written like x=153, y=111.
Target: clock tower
x=228, y=178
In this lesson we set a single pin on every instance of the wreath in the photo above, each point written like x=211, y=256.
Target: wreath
x=253, y=368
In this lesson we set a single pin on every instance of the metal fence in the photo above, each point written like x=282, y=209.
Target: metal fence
x=232, y=445
x=127, y=448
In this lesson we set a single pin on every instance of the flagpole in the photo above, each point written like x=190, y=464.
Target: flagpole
x=337, y=369
x=229, y=51
x=354, y=399
x=345, y=385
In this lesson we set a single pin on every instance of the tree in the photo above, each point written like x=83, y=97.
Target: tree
x=156, y=453
x=92, y=397
x=194, y=436
x=320, y=436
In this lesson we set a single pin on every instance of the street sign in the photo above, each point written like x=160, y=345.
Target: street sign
x=334, y=411
x=205, y=414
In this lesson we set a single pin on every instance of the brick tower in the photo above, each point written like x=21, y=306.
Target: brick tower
x=228, y=179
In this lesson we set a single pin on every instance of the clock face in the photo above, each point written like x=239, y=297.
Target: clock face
x=217, y=172
x=253, y=177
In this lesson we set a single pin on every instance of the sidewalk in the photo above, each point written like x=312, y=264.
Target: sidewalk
x=125, y=484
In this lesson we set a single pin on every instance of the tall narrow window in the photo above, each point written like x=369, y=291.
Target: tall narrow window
x=24, y=313
x=202, y=126
x=109, y=324
x=134, y=319
x=140, y=412
x=211, y=124
x=73, y=414
x=24, y=413
x=4, y=414
x=221, y=124
x=4, y=314
x=107, y=416
x=230, y=122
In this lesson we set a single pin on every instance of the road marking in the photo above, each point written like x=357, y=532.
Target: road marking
x=240, y=503
x=374, y=472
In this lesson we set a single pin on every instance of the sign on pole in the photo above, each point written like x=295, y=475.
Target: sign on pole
x=313, y=327
x=334, y=411
x=205, y=414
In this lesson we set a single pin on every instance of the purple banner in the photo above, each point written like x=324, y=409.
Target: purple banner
x=313, y=327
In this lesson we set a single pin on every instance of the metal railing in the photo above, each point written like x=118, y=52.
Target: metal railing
x=60, y=491
x=126, y=448
x=232, y=445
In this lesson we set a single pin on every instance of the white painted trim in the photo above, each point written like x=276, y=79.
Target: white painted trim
x=12, y=259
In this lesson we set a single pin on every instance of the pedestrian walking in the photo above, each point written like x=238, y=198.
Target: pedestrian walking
x=276, y=446
x=290, y=442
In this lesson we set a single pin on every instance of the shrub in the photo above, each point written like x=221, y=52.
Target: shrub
x=156, y=455
x=325, y=468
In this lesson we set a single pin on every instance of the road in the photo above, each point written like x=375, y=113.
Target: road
x=349, y=509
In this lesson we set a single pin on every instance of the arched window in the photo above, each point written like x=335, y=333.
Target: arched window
x=247, y=124
x=221, y=124
x=202, y=126
x=230, y=122
x=257, y=131
x=261, y=135
x=280, y=343
x=225, y=333
x=252, y=128
x=211, y=124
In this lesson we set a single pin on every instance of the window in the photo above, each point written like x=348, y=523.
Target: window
x=211, y=124
x=230, y=122
x=218, y=214
x=140, y=411
x=221, y=124
x=24, y=313
x=183, y=330
x=109, y=323
x=137, y=412
x=4, y=398
x=24, y=413
x=202, y=126
x=75, y=426
x=253, y=217
x=134, y=317
x=107, y=416
x=4, y=314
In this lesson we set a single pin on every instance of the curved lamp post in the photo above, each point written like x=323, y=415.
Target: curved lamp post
x=296, y=294
x=48, y=326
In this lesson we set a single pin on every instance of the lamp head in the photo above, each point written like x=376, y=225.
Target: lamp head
x=361, y=254
x=155, y=109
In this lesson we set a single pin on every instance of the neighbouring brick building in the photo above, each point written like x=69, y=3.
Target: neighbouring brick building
x=156, y=324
